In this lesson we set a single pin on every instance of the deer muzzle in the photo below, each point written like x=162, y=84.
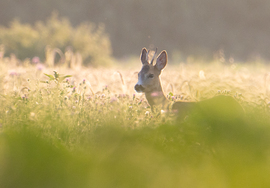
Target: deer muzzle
x=139, y=88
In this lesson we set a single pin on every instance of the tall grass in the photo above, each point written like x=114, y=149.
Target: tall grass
x=92, y=130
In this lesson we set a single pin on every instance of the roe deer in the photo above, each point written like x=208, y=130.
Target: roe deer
x=149, y=83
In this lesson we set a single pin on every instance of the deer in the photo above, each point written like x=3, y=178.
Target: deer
x=149, y=83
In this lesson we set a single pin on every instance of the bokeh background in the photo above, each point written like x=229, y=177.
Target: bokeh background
x=198, y=28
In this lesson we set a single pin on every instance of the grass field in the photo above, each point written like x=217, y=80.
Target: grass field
x=88, y=128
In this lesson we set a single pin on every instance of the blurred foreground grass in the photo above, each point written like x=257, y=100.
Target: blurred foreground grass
x=89, y=130
x=171, y=155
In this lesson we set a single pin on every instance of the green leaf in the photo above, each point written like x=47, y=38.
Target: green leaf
x=50, y=76
x=67, y=76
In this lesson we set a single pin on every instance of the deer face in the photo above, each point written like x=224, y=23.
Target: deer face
x=148, y=77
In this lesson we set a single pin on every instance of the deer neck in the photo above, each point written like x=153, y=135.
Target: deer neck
x=157, y=97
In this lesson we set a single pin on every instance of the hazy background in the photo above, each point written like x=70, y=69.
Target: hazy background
x=185, y=27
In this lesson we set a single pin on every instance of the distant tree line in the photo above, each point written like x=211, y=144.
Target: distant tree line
x=192, y=27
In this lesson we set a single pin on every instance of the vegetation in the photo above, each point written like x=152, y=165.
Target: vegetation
x=65, y=125
x=84, y=129
x=56, y=41
x=191, y=28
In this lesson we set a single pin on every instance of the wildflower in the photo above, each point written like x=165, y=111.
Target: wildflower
x=83, y=81
x=24, y=97
x=40, y=67
x=13, y=73
x=113, y=100
x=35, y=60
x=147, y=113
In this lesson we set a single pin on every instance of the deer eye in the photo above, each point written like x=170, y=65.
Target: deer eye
x=150, y=76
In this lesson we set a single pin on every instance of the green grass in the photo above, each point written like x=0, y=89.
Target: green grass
x=58, y=134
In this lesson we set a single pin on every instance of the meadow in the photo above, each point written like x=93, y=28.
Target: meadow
x=86, y=127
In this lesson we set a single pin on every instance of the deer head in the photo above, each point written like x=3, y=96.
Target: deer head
x=148, y=77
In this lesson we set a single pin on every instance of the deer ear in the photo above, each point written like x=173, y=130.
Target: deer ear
x=144, y=56
x=161, y=60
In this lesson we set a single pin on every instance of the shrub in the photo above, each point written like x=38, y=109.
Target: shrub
x=87, y=39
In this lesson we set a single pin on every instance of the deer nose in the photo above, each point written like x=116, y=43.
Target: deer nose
x=139, y=88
